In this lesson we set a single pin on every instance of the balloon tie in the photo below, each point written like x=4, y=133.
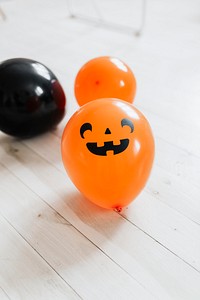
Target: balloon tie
x=118, y=209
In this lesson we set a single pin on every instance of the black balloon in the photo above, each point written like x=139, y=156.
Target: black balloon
x=31, y=98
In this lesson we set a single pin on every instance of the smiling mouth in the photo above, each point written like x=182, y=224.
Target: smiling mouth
x=102, y=150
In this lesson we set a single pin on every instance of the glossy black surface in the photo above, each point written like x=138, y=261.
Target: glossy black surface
x=31, y=98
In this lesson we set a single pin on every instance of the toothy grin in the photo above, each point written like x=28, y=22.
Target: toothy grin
x=102, y=150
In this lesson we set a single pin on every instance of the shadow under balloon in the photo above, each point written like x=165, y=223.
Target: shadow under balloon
x=98, y=224
x=28, y=148
x=74, y=232
x=41, y=135
x=8, y=139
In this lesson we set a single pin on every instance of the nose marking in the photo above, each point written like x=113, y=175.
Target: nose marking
x=107, y=131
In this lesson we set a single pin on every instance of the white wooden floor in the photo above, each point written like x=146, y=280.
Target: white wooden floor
x=53, y=243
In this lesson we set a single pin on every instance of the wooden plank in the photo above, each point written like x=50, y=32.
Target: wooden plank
x=136, y=252
x=78, y=261
x=174, y=189
x=24, y=274
x=3, y=295
x=179, y=195
x=170, y=132
x=179, y=162
x=165, y=60
x=165, y=132
x=168, y=156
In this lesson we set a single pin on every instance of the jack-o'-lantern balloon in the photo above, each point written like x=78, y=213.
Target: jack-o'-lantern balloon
x=104, y=77
x=108, y=150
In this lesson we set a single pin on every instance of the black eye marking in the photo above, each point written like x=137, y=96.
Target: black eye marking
x=84, y=127
x=127, y=122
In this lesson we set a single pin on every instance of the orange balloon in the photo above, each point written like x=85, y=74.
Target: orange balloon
x=104, y=77
x=108, y=150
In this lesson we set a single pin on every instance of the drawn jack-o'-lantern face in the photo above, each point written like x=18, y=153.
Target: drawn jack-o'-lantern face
x=108, y=150
x=109, y=145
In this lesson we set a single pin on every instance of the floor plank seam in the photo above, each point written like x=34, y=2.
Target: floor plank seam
x=161, y=244
x=39, y=255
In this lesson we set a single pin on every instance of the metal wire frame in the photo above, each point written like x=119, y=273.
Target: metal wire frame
x=99, y=18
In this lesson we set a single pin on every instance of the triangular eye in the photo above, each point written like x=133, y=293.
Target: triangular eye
x=84, y=127
x=127, y=122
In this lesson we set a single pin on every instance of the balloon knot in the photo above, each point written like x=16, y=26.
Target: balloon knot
x=118, y=209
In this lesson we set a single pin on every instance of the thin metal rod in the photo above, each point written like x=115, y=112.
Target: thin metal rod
x=2, y=14
x=143, y=17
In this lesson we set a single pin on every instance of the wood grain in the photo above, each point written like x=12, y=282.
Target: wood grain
x=54, y=244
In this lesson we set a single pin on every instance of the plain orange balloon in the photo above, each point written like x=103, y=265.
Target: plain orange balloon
x=104, y=77
x=108, y=150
